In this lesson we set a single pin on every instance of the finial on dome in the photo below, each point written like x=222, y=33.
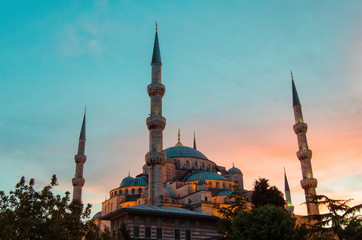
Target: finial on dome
x=129, y=173
x=233, y=164
x=156, y=26
x=194, y=140
x=178, y=139
x=291, y=73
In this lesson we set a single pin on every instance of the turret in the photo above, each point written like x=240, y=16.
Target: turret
x=78, y=180
x=308, y=183
x=288, y=198
x=155, y=158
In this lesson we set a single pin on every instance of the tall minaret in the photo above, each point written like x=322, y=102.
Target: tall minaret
x=288, y=198
x=78, y=180
x=155, y=158
x=309, y=183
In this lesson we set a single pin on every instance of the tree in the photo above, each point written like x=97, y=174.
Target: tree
x=30, y=214
x=237, y=204
x=266, y=222
x=264, y=194
x=340, y=220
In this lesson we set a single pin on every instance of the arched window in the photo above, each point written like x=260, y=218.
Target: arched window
x=126, y=192
x=133, y=191
x=121, y=191
x=217, y=185
x=203, y=165
x=139, y=190
x=210, y=185
x=223, y=186
x=187, y=164
x=205, y=199
x=196, y=164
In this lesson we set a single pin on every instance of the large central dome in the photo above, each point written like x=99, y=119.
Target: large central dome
x=182, y=151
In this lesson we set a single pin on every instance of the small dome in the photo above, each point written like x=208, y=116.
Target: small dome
x=126, y=179
x=234, y=170
x=182, y=151
x=97, y=216
x=138, y=181
x=201, y=182
x=223, y=193
x=205, y=175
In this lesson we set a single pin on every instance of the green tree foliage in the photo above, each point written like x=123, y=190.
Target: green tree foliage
x=266, y=222
x=27, y=214
x=264, y=194
x=340, y=220
x=237, y=205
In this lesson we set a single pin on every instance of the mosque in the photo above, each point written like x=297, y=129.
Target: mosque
x=179, y=191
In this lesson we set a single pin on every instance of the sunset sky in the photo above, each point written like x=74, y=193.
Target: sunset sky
x=226, y=68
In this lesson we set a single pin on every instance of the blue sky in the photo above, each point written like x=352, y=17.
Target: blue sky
x=226, y=67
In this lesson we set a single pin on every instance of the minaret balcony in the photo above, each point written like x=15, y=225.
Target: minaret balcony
x=156, y=89
x=78, y=181
x=308, y=183
x=155, y=158
x=80, y=159
x=305, y=154
x=300, y=128
x=156, y=122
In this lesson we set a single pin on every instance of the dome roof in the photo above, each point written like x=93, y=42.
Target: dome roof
x=234, y=170
x=126, y=179
x=138, y=181
x=205, y=175
x=202, y=181
x=183, y=151
x=223, y=193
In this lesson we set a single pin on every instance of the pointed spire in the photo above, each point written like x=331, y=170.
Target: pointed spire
x=178, y=139
x=194, y=141
x=82, y=131
x=233, y=165
x=129, y=173
x=295, y=93
x=286, y=185
x=156, y=56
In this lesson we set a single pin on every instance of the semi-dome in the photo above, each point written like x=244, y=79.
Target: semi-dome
x=138, y=181
x=234, y=170
x=205, y=175
x=183, y=151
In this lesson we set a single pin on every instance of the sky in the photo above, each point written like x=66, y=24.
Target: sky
x=226, y=68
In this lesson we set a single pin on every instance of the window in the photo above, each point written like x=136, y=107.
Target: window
x=139, y=190
x=133, y=191
x=126, y=192
x=188, y=234
x=136, y=231
x=148, y=232
x=205, y=199
x=159, y=233
x=177, y=234
x=217, y=185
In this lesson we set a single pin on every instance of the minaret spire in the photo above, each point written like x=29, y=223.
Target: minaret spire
x=288, y=198
x=155, y=157
x=308, y=183
x=194, y=141
x=78, y=180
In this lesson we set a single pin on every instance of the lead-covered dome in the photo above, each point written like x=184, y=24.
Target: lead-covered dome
x=234, y=170
x=205, y=176
x=183, y=151
x=138, y=181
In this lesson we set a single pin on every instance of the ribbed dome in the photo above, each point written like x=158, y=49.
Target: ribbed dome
x=234, y=170
x=138, y=181
x=182, y=151
x=205, y=175
x=126, y=179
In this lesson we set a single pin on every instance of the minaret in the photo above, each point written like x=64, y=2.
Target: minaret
x=155, y=158
x=309, y=183
x=80, y=158
x=288, y=198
